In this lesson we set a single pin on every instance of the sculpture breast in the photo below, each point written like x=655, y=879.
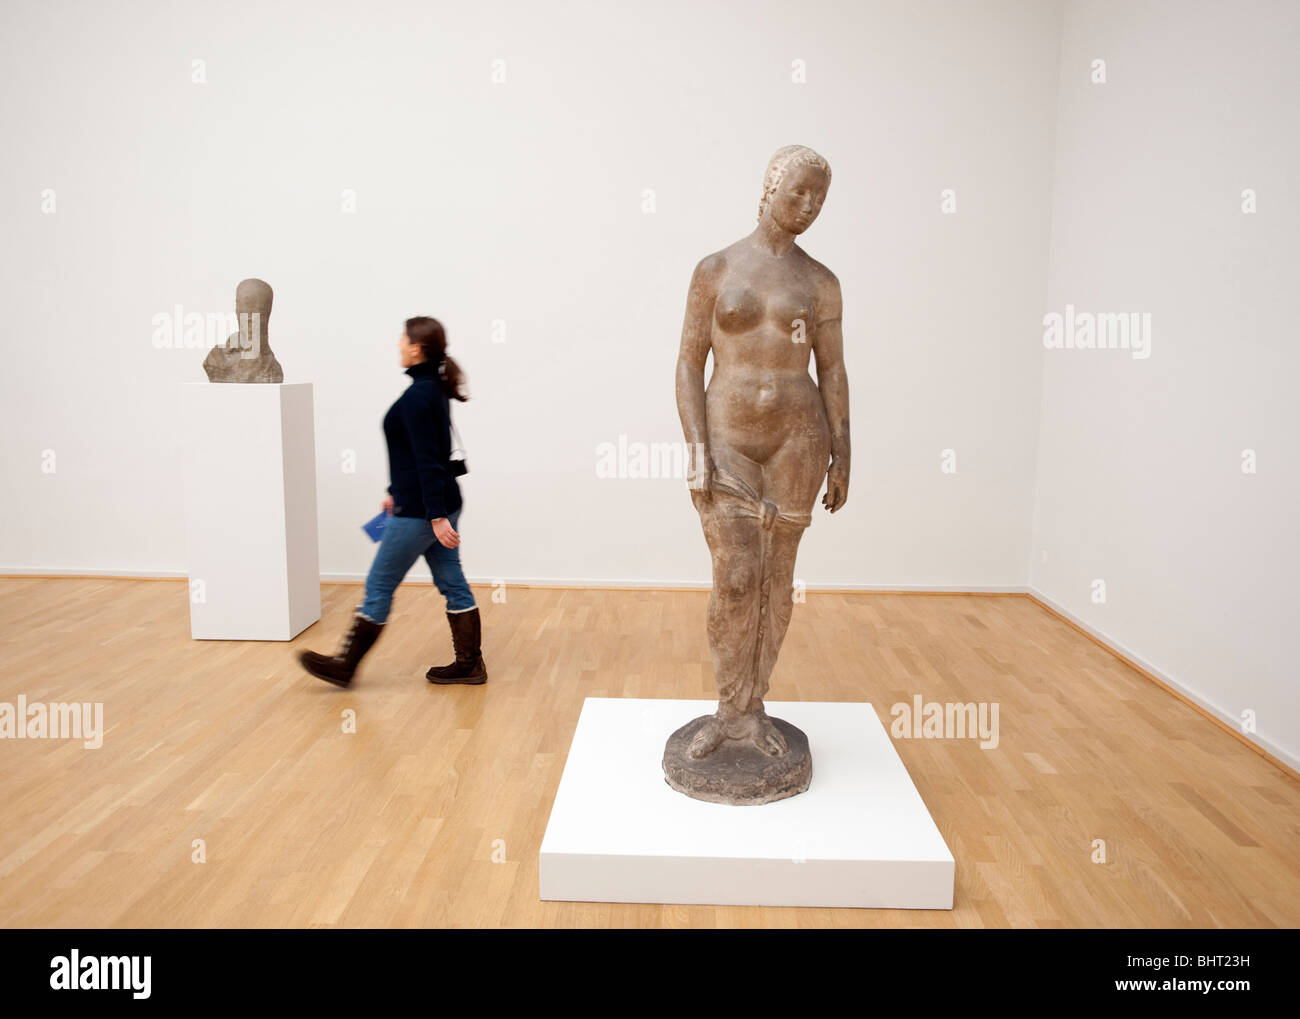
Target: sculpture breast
x=738, y=309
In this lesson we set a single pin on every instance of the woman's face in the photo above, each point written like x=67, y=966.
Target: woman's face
x=799, y=198
x=411, y=352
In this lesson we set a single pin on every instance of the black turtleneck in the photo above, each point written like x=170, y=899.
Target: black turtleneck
x=418, y=430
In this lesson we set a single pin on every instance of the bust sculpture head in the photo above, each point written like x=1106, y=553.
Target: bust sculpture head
x=253, y=306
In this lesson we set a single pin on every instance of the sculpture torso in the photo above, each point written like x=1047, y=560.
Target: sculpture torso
x=228, y=364
x=760, y=385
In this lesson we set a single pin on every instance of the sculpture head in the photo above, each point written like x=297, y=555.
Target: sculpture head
x=252, y=309
x=794, y=188
x=253, y=296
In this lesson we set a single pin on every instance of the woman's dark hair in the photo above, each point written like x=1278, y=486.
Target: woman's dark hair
x=427, y=334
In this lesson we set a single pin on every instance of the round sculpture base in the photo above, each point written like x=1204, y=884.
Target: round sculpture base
x=738, y=772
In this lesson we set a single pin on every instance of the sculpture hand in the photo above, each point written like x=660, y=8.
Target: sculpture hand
x=837, y=486
x=700, y=478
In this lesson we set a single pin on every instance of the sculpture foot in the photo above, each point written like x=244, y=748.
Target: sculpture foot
x=768, y=738
x=707, y=740
x=760, y=731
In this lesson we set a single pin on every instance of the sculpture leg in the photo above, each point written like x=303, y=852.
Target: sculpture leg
x=732, y=531
x=733, y=616
x=791, y=481
x=776, y=606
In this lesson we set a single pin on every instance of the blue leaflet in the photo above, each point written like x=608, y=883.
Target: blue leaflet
x=375, y=528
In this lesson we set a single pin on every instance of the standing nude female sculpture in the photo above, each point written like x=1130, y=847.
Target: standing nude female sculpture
x=763, y=437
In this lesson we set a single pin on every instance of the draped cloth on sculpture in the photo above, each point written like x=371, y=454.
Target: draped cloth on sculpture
x=744, y=656
x=751, y=504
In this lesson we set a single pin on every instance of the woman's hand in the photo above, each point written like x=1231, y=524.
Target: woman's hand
x=445, y=533
x=388, y=505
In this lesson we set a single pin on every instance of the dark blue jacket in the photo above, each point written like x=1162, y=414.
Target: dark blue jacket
x=418, y=430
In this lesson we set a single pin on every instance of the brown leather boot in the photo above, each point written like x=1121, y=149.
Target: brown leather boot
x=468, y=666
x=340, y=668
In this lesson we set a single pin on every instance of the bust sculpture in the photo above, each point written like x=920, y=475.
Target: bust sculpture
x=763, y=437
x=247, y=355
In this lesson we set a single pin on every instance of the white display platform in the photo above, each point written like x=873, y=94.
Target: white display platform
x=249, y=452
x=860, y=836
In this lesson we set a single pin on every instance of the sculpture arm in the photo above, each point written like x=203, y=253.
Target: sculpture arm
x=833, y=381
x=691, y=359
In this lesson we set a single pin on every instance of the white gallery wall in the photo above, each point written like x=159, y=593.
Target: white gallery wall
x=520, y=207
x=1174, y=479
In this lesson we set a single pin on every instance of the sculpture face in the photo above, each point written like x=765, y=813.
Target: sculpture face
x=253, y=297
x=798, y=198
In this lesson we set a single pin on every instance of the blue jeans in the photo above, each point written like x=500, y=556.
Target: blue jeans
x=405, y=540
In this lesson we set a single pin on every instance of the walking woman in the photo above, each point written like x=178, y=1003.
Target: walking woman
x=424, y=505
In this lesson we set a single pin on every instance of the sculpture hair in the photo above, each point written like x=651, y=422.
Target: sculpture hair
x=786, y=157
x=427, y=334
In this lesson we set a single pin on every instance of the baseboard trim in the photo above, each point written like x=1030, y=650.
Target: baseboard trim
x=47, y=573
x=548, y=584
x=581, y=584
x=1224, y=719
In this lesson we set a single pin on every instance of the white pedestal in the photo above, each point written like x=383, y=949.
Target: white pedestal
x=860, y=836
x=250, y=509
